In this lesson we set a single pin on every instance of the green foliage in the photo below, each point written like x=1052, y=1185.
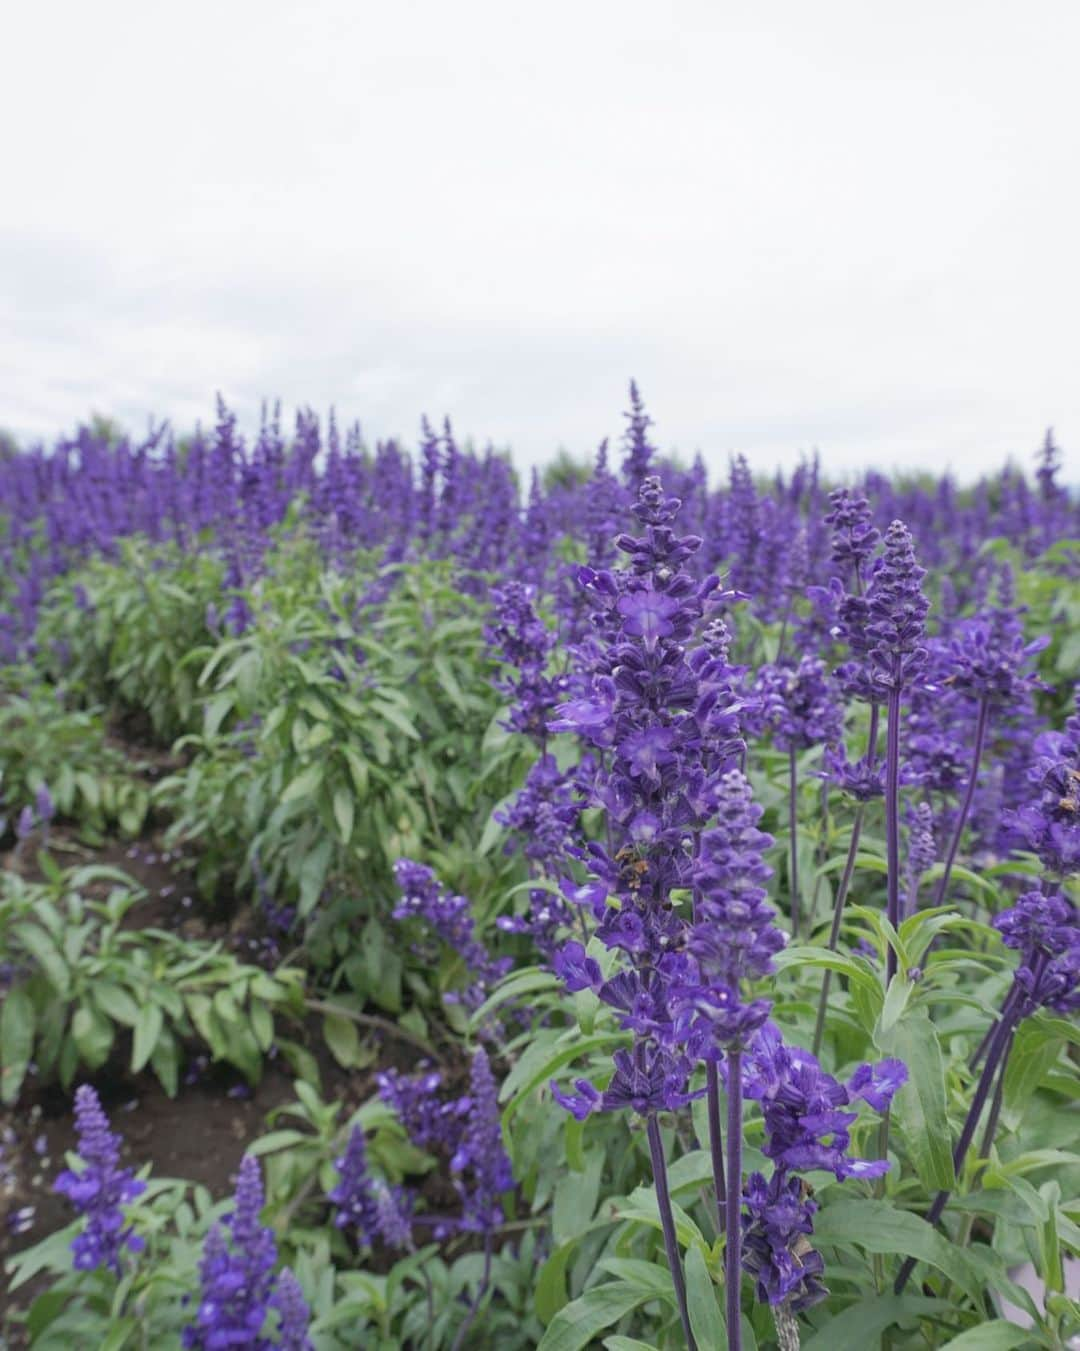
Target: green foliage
x=136, y=638
x=330, y=747
x=46, y=743
x=86, y=987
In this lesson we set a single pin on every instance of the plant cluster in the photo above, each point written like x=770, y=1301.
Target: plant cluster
x=685, y=875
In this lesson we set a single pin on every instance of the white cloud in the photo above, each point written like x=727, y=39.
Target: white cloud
x=795, y=225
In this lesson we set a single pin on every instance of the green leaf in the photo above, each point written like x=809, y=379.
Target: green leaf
x=705, y=1317
x=343, y=1038
x=920, y=1106
x=860, y=1325
x=996, y=1336
x=492, y=833
x=1051, y=1268
x=17, y=1022
x=118, y=1334
x=147, y=1030
x=394, y=715
x=896, y=1001
x=166, y=1063
x=343, y=813
x=358, y=771
x=215, y=712
x=313, y=872
x=41, y=947
x=878, y=1227
x=92, y=1034
x=575, y=1198
x=574, y=1327
x=856, y=970
x=262, y=1024
x=448, y=681
x=1035, y=1049
x=305, y=784
x=650, y=1276
x=520, y=983
x=643, y=1209
x=620, y=1343
x=540, y=1062
x=275, y=1140
x=550, y=1294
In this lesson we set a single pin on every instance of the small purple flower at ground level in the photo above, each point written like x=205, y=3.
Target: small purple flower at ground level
x=100, y=1189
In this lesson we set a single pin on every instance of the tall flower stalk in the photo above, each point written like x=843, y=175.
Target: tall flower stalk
x=987, y=658
x=664, y=719
x=895, y=616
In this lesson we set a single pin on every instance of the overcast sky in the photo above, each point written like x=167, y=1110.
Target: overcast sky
x=844, y=225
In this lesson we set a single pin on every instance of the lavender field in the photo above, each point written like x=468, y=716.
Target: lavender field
x=621, y=906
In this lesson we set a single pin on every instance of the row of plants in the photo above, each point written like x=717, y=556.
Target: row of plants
x=737, y=937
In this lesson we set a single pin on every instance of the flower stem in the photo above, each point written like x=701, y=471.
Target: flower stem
x=667, y=1223
x=733, y=1241
x=716, y=1140
x=793, y=829
x=969, y=793
x=892, y=815
x=837, y=919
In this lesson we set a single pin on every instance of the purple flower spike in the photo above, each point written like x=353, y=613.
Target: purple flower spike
x=237, y=1277
x=100, y=1189
x=354, y=1196
x=481, y=1159
x=292, y=1309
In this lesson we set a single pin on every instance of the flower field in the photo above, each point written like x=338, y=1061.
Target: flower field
x=620, y=909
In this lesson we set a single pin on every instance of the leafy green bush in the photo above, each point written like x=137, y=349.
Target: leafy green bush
x=80, y=983
x=45, y=743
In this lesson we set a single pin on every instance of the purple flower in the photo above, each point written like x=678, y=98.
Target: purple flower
x=896, y=610
x=429, y=1122
x=1039, y=923
x=777, y=1253
x=355, y=1205
x=878, y=1084
x=576, y=970
x=806, y=1125
x=481, y=1161
x=733, y=938
x=43, y=805
x=854, y=538
x=450, y=918
x=291, y=1307
x=648, y=615
x=797, y=704
x=647, y=1079
x=237, y=1276
x=99, y=1189
x=1045, y=929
